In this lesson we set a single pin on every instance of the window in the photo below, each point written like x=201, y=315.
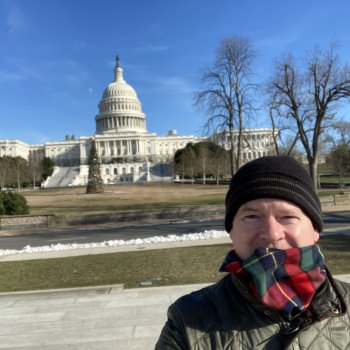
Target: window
x=107, y=171
x=115, y=171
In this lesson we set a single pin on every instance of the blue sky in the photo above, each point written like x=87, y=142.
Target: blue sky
x=57, y=56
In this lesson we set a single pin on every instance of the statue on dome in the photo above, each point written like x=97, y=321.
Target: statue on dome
x=117, y=65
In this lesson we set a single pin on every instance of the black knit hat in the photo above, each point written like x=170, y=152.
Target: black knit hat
x=278, y=177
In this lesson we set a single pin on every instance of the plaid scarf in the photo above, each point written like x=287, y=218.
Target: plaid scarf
x=285, y=280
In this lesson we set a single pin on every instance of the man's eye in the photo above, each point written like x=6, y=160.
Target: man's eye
x=251, y=218
x=290, y=218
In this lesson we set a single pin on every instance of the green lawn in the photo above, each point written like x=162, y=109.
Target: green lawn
x=334, y=179
x=162, y=267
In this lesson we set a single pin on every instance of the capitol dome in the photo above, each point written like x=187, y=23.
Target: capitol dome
x=120, y=108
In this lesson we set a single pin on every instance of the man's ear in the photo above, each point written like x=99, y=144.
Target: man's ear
x=316, y=236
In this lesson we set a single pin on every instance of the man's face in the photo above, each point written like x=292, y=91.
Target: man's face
x=271, y=223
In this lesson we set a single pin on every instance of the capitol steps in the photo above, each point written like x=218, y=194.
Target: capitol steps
x=62, y=177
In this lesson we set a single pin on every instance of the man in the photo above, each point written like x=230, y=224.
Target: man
x=278, y=293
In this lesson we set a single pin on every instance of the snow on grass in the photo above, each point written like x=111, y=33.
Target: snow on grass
x=210, y=234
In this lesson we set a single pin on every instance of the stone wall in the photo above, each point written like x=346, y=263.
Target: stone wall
x=336, y=200
x=24, y=222
x=28, y=222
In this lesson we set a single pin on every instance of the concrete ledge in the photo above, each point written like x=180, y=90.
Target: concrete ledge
x=104, y=289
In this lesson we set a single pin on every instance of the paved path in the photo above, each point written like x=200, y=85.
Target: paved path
x=101, y=318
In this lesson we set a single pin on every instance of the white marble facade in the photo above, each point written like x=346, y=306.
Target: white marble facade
x=128, y=152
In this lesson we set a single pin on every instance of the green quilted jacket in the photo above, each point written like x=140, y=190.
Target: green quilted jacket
x=226, y=316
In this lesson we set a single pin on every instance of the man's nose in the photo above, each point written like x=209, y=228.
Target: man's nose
x=272, y=230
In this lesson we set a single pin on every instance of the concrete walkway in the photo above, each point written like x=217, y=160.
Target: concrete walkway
x=100, y=318
x=105, y=317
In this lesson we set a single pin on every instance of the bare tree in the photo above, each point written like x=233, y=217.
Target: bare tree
x=342, y=129
x=283, y=136
x=179, y=163
x=14, y=172
x=186, y=162
x=226, y=92
x=203, y=158
x=308, y=96
x=191, y=161
x=3, y=172
x=339, y=155
x=218, y=163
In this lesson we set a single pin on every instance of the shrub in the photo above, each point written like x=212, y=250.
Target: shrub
x=13, y=204
x=2, y=208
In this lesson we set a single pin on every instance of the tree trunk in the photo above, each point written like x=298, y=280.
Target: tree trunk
x=232, y=153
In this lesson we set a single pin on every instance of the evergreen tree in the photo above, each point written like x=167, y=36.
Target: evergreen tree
x=46, y=167
x=13, y=204
x=95, y=183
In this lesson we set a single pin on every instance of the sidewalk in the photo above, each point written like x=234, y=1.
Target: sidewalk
x=101, y=318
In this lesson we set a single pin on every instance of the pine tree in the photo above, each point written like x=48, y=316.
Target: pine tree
x=95, y=183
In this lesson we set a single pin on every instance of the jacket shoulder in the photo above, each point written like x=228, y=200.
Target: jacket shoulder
x=206, y=306
x=344, y=289
x=192, y=316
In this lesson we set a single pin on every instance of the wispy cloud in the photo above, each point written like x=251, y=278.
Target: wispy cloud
x=14, y=70
x=8, y=77
x=15, y=20
x=150, y=48
x=176, y=88
x=278, y=41
x=80, y=45
x=47, y=72
x=175, y=84
x=75, y=78
x=69, y=70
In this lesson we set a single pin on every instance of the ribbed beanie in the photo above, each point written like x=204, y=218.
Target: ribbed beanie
x=279, y=177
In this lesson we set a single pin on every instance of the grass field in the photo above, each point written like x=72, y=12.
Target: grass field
x=74, y=201
x=334, y=179
x=161, y=267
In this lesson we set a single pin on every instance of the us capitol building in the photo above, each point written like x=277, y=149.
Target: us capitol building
x=127, y=151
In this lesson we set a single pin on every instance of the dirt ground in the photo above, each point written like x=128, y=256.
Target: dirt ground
x=123, y=197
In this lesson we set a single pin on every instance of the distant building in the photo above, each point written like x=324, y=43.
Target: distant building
x=127, y=151
x=256, y=142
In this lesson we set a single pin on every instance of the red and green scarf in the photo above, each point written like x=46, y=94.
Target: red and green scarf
x=285, y=280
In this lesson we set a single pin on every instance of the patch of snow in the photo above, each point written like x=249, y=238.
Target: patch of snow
x=210, y=234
